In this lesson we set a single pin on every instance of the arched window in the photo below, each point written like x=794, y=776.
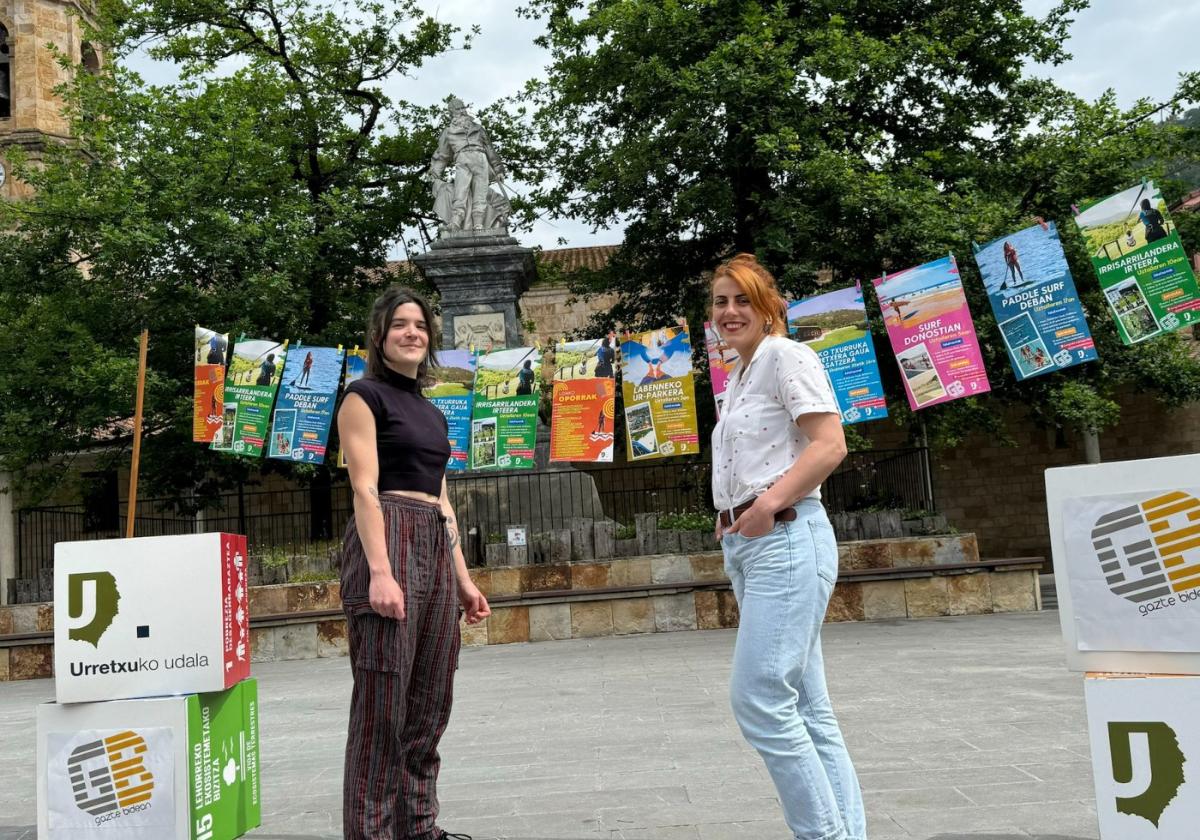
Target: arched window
x=5, y=74
x=89, y=58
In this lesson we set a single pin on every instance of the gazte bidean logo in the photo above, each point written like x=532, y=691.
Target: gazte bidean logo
x=109, y=777
x=1147, y=766
x=1150, y=551
x=91, y=605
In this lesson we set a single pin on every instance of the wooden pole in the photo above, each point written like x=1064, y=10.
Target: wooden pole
x=137, y=435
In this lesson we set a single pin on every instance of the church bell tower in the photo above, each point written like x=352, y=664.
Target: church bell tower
x=31, y=115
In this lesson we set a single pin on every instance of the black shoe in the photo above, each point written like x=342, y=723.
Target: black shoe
x=446, y=835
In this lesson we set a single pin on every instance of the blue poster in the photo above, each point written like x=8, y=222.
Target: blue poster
x=835, y=326
x=453, y=392
x=356, y=368
x=1034, y=298
x=304, y=410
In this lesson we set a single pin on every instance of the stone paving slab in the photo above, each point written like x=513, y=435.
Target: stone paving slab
x=966, y=727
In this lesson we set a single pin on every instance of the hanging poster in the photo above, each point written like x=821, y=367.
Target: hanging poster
x=250, y=386
x=452, y=391
x=356, y=368
x=932, y=334
x=659, y=394
x=835, y=326
x=584, y=401
x=208, y=393
x=721, y=359
x=1141, y=263
x=1033, y=296
x=504, y=418
x=304, y=410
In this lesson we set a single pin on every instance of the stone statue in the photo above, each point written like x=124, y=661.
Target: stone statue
x=468, y=202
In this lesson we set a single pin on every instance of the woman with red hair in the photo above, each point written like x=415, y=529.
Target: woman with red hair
x=778, y=437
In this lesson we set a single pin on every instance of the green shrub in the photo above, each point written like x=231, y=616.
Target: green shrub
x=274, y=557
x=690, y=520
x=626, y=532
x=314, y=577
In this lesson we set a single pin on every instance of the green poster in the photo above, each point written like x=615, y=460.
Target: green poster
x=250, y=385
x=508, y=386
x=223, y=762
x=1141, y=263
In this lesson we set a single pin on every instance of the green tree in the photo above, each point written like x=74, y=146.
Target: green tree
x=259, y=194
x=857, y=136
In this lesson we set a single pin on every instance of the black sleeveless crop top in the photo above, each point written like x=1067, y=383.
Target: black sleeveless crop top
x=411, y=434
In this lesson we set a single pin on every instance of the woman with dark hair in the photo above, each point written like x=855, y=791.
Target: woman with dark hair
x=403, y=577
x=525, y=379
x=779, y=436
x=1155, y=224
x=604, y=358
x=307, y=369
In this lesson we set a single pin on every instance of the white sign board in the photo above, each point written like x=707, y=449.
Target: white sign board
x=1126, y=543
x=1145, y=738
x=150, y=616
x=166, y=768
x=516, y=536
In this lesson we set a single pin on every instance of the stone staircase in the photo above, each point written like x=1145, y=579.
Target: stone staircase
x=1049, y=594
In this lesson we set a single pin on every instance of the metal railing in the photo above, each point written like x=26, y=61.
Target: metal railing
x=898, y=479
x=298, y=521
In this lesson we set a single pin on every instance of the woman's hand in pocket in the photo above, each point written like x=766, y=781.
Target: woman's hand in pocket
x=756, y=521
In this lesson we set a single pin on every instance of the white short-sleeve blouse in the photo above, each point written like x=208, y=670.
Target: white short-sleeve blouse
x=757, y=440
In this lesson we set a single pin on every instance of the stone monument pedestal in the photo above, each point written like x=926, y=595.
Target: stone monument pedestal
x=480, y=276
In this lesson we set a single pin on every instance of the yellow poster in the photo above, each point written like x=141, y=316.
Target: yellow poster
x=659, y=393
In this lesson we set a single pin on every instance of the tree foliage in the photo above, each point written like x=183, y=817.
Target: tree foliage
x=857, y=136
x=259, y=194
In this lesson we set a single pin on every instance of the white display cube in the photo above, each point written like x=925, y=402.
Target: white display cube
x=168, y=768
x=150, y=616
x=1145, y=739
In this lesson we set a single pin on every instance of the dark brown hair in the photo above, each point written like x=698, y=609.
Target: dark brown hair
x=381, y=319
x=759, y=286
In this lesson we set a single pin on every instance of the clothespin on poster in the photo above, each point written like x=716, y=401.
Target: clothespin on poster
x=1042, y=222
x=1074, y=209
x=339, y=348
x=974, y=247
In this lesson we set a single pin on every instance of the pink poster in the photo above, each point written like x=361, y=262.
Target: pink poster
x=721, y=359
x=932, y=334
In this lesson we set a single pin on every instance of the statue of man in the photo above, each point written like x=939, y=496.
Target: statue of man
x=465, y=143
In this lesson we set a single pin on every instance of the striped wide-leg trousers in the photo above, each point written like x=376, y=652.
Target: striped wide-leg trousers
x=403, y=677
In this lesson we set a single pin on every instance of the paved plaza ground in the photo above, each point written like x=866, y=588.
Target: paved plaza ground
x=960, y=727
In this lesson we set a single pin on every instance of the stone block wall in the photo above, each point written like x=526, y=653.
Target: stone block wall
x=998, y=492
x=658, y=594
x=556, y=312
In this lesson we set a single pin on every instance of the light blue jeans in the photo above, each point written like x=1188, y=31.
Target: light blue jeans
x=782, y=581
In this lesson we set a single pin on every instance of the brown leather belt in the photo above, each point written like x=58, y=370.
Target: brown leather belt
x=785, y=515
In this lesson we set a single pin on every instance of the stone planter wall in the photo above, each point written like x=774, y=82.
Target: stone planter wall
x=882, y=579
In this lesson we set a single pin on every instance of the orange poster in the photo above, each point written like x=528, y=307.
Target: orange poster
x=584, y=401
x=208, y=393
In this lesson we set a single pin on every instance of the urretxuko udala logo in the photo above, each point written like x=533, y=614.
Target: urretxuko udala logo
x=1159, y=762
x=109, y=776
x=1150, y=551
x=89, y=624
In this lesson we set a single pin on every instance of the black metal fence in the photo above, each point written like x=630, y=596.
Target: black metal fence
x=299, y=521
x=895, y=479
